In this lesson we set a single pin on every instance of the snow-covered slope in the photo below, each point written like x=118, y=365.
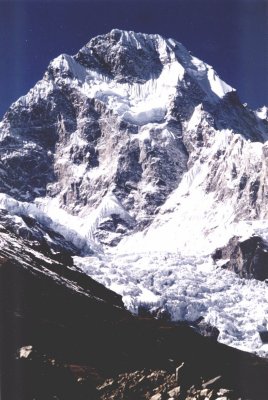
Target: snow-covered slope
x=134, y=146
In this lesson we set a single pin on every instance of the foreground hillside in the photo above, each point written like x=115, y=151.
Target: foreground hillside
x=65, y=336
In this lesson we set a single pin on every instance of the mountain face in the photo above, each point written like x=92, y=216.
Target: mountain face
x=133, y=161
x=116, y=127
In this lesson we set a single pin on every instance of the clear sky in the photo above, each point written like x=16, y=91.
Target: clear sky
x=231, y=35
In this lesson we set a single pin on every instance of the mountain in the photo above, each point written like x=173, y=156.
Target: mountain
x=110, y=133
x=132, y=162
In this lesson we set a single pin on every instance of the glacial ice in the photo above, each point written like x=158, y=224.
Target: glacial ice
x=187, y=287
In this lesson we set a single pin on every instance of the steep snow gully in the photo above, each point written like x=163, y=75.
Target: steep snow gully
x=146, y=162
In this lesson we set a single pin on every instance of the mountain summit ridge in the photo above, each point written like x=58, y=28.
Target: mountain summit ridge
x=150, y=53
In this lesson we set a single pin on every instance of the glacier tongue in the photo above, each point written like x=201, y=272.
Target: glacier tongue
x=187, y=287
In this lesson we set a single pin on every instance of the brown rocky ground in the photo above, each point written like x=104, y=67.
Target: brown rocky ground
x=159, y=385
x=48, y=376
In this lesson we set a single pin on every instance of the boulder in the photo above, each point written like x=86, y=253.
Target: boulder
x=248, y=258
x=206, y=329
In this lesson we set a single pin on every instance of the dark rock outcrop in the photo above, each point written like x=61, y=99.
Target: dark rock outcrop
x=206, y=329
x=114, y=56
x=247, y=258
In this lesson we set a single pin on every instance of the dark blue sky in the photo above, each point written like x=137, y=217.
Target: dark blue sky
x=231, y=35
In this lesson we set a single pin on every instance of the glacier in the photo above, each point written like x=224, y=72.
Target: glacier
x=187, y=287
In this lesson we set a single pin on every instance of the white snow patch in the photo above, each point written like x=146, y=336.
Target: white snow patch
x=195, y=118
x=137, y=103
x=217, y=85
x=50, y=214
x=262, y=112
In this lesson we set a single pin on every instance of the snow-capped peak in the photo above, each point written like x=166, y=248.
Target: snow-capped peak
x=122, y=53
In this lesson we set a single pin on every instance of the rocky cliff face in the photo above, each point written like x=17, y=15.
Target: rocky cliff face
x=116, y=127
